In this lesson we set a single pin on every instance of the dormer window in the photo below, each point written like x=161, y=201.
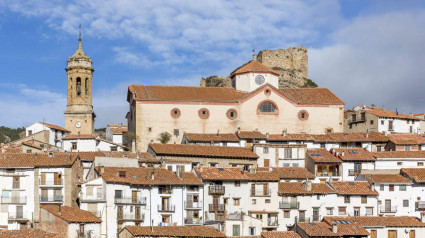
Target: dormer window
x=259, y=79
x=121, y=174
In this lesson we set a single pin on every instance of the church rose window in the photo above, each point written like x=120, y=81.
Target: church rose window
x=303, y=115
x=175, y=113
x=267, y=107
x=232, y=114
x=204, y=113
x=259, y=79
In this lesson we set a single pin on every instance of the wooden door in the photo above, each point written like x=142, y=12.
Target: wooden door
x=134, y=196
x=265, y=189
x=392, y=234
x=253, y=189
x=387, y=205
x=43, y=178
x=302, y=216
x=120, y=212
x=412, y=234
x=16, y=183
x=373, y=234
x=189, y=200
x=138, y=213
x=56, y=179
x=266, y=163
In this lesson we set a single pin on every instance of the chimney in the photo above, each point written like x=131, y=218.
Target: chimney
x=337, y=154
x=422, y=217
x=284, y=132
x=334, y=228
x=60, y=208
x=307, y=185
x=102, y=169
x=267, y=135
x=153, y=175
x=342, y=154
x=373, y=105
x=254, y=57
x=372, y=187
x=239, y=129
x=411, y=114
x=252, y=171
x=367, y=133
x=79, y=133
x=50, y=154
x=218, y=132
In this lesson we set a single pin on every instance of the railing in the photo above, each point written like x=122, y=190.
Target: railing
x=387, y=209
x=51, y=183
x=93, y=198
x=334, y=174
x=216, y=207
x=16, y=200
x=216, y=219
x=289, y=205
x=192, y=205
x=131, y=217
x=272, y=222
x=420, y=205
x=236, y=216
x=17, y=215
x=165, y=191
x=303, y=219
x=192, y=221
x=55, y=198
x=216, y=189
x=131, y=200
x=353, y=172
x=166, y=208
x=260, y=193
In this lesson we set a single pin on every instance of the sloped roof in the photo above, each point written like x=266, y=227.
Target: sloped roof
x=353, y=188
x=399, y=154
x=251, y=135
x=322, y=156
x=72, y=214
x=407, y=139
x=253, y=66
x=292, y=173
x=33, y=233
x=118, y=131
x=380, y=112
x=311, y=96
x=324, y=229
x=354, y=154
x=279, y=234
x=203, y=151
x=216, y=137
x=297, y=188
x=212, y=173
x=386, y=178
x=290, y=137
x=174, y=231
x=263, y=176
x=58, y=128
x=375, y=221
x=350, y=137
x=416, y=174
x=36, y=160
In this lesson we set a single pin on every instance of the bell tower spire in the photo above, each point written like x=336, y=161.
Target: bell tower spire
x=79, y=116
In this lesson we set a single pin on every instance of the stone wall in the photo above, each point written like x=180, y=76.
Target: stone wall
x=214, y=81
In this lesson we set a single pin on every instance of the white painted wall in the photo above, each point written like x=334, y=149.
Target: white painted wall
x=246, y=82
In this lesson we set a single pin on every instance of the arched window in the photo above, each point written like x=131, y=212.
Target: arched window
x=267, y=107
x=78, y=88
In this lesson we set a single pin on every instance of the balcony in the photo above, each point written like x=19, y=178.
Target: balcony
x=166, y=208
x=260, y=193
x=99, y=198
x=165, y=190
x=192, y=205
x=420, y=206
x=289, y=205
x=131, y=200
x=216, y=207
x=387, y=209
x=216, y=218
x=303, y=219
x=216, y=190
x=17, y=216
x=236, y=216
x=192, y=221
x=327, y=174
x=14, y=200
x=353, y=172
x=51, y=199
x=130, y=217
x=272, y=221
x=51, y=183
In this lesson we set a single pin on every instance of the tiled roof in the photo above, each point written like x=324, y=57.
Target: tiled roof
x=82, y=136
x=251, y=135
x=31, y=144
x=279, y=234
x=407, y=139
x=71, y=214
x=58, y=128
x=353, y=188
x=118, y=131
x=203, y=151
x=290, y=137
x=212, y=173
x=311, y=95
x=253, y=66
x=378, y=221
x=116, y=125
x=350, y=137
x=416, y=174
x=33, y=233
x=298, y=188
x=36, y=160
x=399, y=154
x=216, y=137
x=354, y=154
x=380, y=112
x=263, y=176
x=322, y=156
x=386, y=178
x=143, y=176
x=174, y=231
x=317, y=229
x=184, y=93
x=293, y=173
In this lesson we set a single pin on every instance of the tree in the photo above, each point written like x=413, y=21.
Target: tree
x=164, y=137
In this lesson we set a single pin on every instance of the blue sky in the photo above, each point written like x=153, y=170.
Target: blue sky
x=365, y=51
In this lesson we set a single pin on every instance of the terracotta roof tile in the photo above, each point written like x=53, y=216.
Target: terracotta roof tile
x=251, y=135
x=253, y=66
x=380, y=112
x=353, y=154
x=212, y=173
x=118, y=131
x=82, y=136
x=386, y=178
x=72, y=214
x=376, y=221
x=203, y=151
x=311, y=96
x=58, y=128
x=279, y=234
x=174, y=231
x=216, y=137
x=416, y=174
x=293, y=173
x=317, y=229
x=322, y=156
x=33, y=233
x=399, y=154
x=407, y=139
x=299, y=188
x=263, y=176
x=353, y=188
x=350, y=137
x=290, y=137
x=36, y=160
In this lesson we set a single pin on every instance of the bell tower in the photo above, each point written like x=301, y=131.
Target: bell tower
x=79, y=115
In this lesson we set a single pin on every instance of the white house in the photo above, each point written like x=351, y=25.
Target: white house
x=354, y=160
x=280, y=155
x=115, y=133
x=90, y=143
x=417, y=175
x=399, y=159
x=55, y=132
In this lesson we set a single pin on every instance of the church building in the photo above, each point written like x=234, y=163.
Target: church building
x=253, y=103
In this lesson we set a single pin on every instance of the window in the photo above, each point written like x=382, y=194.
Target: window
x=288, y=153
x=225, y=201
x=267, y=107
x=213, y=164
x=286, y=214
x=74, y=145
x=411, y=129
x=237, y=183
x=254, y=201
x=89, y=191
x=369, y=211
x=357, y=211
x=382, y=122
x=354, y=117
x=29, y=151
x=114, y=148
x=259, y=216
x=16, y=182
x=265, y=150
x=329, y=130
x=329, y=211
x=363, y=116
x=373, y=234
x=303, y=115
x=347, y=199
x=267, y=200
x=295, y=165
x=379, y=148
x=252, y=231
x=118, y=193
x=175, y=113
x=371, y=122
x=391, y=187
x=399, y=163
x=204, y=113
x=236, y=201
x=29, y=132
x=402, y=188
x=381, y=187
x=318, y=197
x=81, y=230
x=420, y=163
x=364, y=199
x=231, y=114
x=342, y=210
x=259, y=79
x=390, y=125
x=406, y=203
x=121, y=174
x=407, y=148
x=285, y=165
x=176, y=132
x=392, y=234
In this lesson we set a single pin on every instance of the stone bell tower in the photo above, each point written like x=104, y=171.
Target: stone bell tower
x=79, y=115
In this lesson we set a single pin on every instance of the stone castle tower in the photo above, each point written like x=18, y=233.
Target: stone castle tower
x=79, y=115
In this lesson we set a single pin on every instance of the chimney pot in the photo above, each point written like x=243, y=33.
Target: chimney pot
x=334, y=228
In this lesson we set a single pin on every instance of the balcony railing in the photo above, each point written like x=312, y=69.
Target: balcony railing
x=219, y=218
x=51, y=183
x=131, y=200
x=192, y=221
x=303, y=219
x=353, y=172
x=17, y=215
x=192, y=205
x=55, y=198
x=131, y=217
x=98, y=198
x=420, y=205
x=166, y=208
x=236, y=216
x=14, y=200
x=165, y=190
x=260, y=193
x=387, y=209
x=331, y=174
x=289, y=205
x=216, y=189
x=216, y=207
x=272, y=222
